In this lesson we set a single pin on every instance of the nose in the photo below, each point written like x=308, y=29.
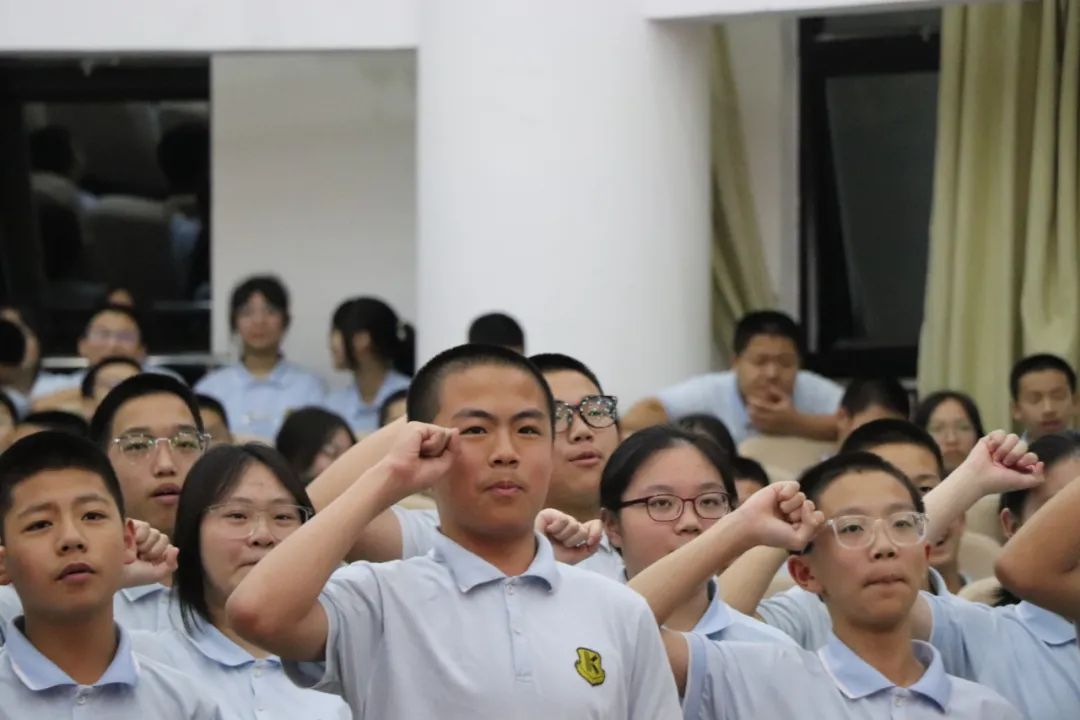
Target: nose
x=163, y=462
x=579, y=430
x=881, y=545
x=688, y=521
x=1048, y=406
x=260, y=532
x=503, y=452
x=71, y=537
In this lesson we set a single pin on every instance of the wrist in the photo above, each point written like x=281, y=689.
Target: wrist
x=737, y=532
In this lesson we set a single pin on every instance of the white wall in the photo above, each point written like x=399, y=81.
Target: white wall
x=314, y=179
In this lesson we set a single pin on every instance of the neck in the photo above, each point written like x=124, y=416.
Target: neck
x=511, y=555
x=688, y=615
x=83, y=646
x=260, y=362
x=219, y=619
x=887, y=650
x=369, y=375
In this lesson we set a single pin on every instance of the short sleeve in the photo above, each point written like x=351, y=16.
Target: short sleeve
x=800, y=614
x=652, y=684
x=696, y=395
x=961, y=631
x=419, y=529
x=352, y=601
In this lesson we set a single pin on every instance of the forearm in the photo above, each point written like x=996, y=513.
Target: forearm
x=745, y=582
x=950, y=500
x=670, y=581
x=814, y=427
x=646, y=413
x=356, y=461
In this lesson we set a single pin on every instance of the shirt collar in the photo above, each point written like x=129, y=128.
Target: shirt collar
x=1049, y=627
x=857, y=679
x=139, y=592
x=276, y=376
x=937, y=583
x=38, y=672
x=717, y=616
x=470, y=571
x=213, y=644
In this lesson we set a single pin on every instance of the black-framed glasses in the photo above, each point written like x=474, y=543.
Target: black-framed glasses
x=858, y=531
x=667, y=507
x=137, y=447
x=596, y=411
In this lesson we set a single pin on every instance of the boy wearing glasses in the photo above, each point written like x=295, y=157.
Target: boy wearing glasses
x=866, y=564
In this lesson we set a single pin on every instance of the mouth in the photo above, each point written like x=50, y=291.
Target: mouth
x=1052, y=425
x=167, y=494
x=504, y=488
x=888, y=580
x=75, y=573
x=587, y=458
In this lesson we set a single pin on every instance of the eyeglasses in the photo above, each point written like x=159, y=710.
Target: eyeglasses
x=958, y=428
x=666, y=507
x=597, y=411
x=126, y=337
x=858, y=531
x=138, y=447
x=239, y=520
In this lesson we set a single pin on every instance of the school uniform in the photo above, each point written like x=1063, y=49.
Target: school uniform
x=363, y=417
x=718, y=394
x=243, y=687
x=258, y=405
x=145, y=607
x=132, y=687
x=1024, y=652
x=758, y=680
x=722, y=623
x=803, y=616
x=450, y=636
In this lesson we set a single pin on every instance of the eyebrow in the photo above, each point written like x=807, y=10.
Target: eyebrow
x=52, y=504
x=280, y=500
x=143, y=430
x=890, y=509
x=477, y=413
x=709, y=486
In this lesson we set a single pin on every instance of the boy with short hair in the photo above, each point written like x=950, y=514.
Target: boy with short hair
x=869, y=399
x=1043, y=389
x=65, y=545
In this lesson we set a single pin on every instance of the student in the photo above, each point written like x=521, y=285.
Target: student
x=519, y=619
x=662, y=488
x=338, y=361
x=65, y=545
x=952, y=419
x=765, y=392
x=9, y=416
x=750, y=477
x=393, y=408
x=311, y=439
x=869, y=399
x=711, y=427
x=28, y=379
x=36, y=422
x=498, y=329
x=238, y=503
x=215, y=420
x=376, y=345
x=260, y=390
x=866, y=562
x=102, y=377
x=1043, y=391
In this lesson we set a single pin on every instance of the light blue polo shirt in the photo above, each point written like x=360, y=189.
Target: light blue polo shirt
x=1024, y=652
x=243, y=687
x=723, y=623
x=363, y=417
x=448, y=635
x=32, y=687
x=759, y=680
x=718, y=394
x=258, y=406
x=145, y=607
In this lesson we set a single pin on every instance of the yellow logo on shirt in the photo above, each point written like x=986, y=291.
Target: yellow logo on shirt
x=589, y=666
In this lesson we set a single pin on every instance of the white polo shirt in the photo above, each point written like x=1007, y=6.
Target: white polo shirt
x=448, y=636
x=759, y=680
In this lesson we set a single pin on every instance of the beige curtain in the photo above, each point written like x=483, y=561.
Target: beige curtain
x=1004, y=236
x=740, y=280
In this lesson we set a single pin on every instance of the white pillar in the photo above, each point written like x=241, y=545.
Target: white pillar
x=563, y=177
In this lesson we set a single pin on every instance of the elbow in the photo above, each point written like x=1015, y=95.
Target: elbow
x=645, y=413
x=1014, y=573
x=249, y=617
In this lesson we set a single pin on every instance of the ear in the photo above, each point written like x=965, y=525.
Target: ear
x=4, y=578
x=80, y=347
x=612, y=527
x=844, y=422
x=361, y=342
x=130, y=552
x=803, y=575
x=1015, y=410
x=1009, y=523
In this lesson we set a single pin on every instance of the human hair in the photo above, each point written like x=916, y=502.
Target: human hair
x=1035, y=363
x=384, y=409
x=711, y=427
x=53, y=450
x=886, y=392
x=1051, y=449
x=59, y=420
x=930, y=403
x=87, y=385
x=496, y=329
x=749, y=469
x=269, y=286
x=51, y=150
x=341, y=313
x=137, y=386
x=818, y=478
x=767, y=322
x=124, y=310
x=637, y=449
x=305, y=432
x=392, y=340
x=424, y=391
x=211, y=479
x=12, y=343
x=557, y=362
x=890, y=431
x=205, y=402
